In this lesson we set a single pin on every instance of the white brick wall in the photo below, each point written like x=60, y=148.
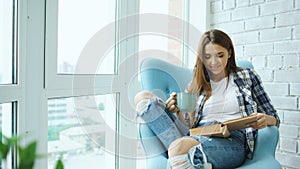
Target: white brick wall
x=216, y=6
x=276, y=7
x=288, y=131
x=221, y=17
x=277, y=34
x=259, y=62
x=265, y=74
x=274, y=61
x=297, y=4
x=242, y=3
x=298, y=150
x=285, y=102
x=296, y=32
x=267, y=32
x=248, y=12
x=291, y=160
x=292, y=117
x=291, y=61
x=245, y=38
x=231, y=27
x=229, y=4
x=239, y=50
x=287, y=76
x=287, y=19
x=254, y=2
x=295, y=89
x=288, y=145
x=277, y=89
x=287, y=46
x=281, y=115
x=259, y=49
x=260, y=23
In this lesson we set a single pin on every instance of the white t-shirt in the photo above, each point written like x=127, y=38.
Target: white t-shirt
x=223, y=104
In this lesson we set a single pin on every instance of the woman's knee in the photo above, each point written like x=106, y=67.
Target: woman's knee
x=181, y=146
x=143, y=95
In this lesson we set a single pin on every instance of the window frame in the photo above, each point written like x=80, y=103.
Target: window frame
x=35, y=75
x=63, y=86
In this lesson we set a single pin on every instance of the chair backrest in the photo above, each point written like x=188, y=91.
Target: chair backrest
x=163, y=78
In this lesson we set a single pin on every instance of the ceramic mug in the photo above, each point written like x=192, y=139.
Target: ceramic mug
x=186, y=102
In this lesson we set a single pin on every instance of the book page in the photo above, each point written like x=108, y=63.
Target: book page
x=215, y=130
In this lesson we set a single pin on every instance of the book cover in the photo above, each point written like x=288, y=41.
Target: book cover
x=222, y=130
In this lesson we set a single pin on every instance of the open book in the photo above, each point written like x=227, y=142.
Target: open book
x=221, y=130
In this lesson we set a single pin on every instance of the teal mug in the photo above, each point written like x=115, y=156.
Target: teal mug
x=186, y=102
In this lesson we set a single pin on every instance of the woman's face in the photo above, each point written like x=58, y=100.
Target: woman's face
x=215, y=59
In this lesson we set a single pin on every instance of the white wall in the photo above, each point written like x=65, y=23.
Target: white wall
x=268, y=34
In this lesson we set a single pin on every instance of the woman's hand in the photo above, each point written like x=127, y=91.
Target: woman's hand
x=225, y=131
x=171, y=103
x=263, y=120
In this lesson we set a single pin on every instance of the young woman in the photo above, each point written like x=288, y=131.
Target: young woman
x=225, y=92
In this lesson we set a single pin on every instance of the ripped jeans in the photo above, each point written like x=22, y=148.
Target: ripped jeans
x=163, y=124
x=220, y=152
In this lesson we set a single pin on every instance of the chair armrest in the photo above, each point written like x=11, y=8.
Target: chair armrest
x=266, y=142
x=264, y=153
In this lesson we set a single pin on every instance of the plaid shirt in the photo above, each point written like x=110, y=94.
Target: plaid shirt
x=251, y=98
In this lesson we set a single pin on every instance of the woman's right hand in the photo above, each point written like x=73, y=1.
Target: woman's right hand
x=171, y=103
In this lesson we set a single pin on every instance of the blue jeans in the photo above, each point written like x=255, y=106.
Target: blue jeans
x=163, y=124
x=220, y=152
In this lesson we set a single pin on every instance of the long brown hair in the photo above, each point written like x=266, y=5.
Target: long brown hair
x=201, y=81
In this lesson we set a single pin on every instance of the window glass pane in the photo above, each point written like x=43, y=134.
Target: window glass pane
x=164, y=43
x=81, y=131
x=167, y=41
x=78, y=23
x=6, y=41
x=6, y=118
x=6, y=127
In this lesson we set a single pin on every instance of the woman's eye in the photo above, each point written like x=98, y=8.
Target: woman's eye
x=220, y=56
x=206, y=56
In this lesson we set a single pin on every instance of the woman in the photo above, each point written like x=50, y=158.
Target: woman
x=225, y=92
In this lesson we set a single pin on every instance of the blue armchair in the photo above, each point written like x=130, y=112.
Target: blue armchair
x=163, y=78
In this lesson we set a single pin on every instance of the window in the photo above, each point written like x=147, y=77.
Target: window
x=84, y=59
x=165, y=42
x=8, y=68
x=6, y=42
x=78, y=23
x=6, y=119
x=8, y=127
x=41, y=48
x=181, y=24
x=82, y=128
x=170, y=30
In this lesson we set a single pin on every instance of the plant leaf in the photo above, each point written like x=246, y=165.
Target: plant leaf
x=4, y=149
x=27, y=156
x=59, y=164
x=6, y=144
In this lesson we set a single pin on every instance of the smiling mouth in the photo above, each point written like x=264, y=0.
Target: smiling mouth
x=215, y=67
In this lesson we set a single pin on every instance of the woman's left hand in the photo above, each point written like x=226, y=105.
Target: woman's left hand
x=261, y=122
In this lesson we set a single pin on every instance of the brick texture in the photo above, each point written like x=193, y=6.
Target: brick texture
x=267, y=33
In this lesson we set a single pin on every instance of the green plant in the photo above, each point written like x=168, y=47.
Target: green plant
x=26, y=154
